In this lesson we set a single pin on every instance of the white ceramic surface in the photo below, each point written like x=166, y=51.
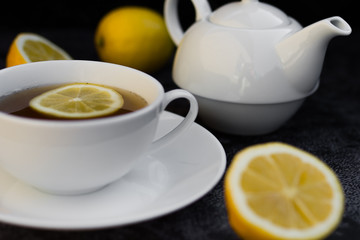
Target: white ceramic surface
x=245, y=119
x=169, y=179
x=249, y=52
x=71, y=157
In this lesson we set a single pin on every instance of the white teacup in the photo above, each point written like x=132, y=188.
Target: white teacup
x=73, y=157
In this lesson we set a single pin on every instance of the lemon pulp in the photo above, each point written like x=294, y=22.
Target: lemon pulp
x=31, y=47
x=276, y=191
x=79, y=100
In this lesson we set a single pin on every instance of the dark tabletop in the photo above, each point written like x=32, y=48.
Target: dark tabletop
x=327, y=125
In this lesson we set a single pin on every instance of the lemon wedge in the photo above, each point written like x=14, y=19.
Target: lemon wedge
x=31, y=47
x=277, y=191
x=78, y=101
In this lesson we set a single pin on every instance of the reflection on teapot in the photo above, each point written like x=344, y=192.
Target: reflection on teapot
x=249, y=52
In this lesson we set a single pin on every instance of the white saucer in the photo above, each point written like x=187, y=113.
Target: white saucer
x=172, y=178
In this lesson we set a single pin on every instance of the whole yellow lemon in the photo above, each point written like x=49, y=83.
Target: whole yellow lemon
x=134, y=36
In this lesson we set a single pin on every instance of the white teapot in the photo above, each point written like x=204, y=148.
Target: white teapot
x=248, y=53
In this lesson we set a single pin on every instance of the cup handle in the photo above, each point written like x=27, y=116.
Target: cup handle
x=188, y=120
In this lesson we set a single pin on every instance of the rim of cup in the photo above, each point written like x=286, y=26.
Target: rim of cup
x=82, y=122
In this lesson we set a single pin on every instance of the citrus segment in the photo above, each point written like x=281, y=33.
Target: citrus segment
x=78, y=101
x=30, y=47
x=276, y=191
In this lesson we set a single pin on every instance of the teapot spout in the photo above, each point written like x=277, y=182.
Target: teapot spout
x=302, y=53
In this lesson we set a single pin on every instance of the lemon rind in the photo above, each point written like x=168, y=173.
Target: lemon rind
x=236, y=169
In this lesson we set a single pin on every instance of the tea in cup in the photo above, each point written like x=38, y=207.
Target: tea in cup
x=78, y=156
x=19, y=103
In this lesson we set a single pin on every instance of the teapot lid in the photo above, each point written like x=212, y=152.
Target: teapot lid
x=249, y=14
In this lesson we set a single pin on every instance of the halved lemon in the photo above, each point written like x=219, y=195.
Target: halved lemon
x=80, y=100
x=277, y=191
x=30, y=47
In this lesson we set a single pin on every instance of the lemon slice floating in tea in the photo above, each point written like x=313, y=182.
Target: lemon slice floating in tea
x=277, y=191
x=78, y=101
x=31, y=47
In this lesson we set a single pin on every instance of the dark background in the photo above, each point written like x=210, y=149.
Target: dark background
x=327, y=125
x=28, y=15
x=60, y=21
